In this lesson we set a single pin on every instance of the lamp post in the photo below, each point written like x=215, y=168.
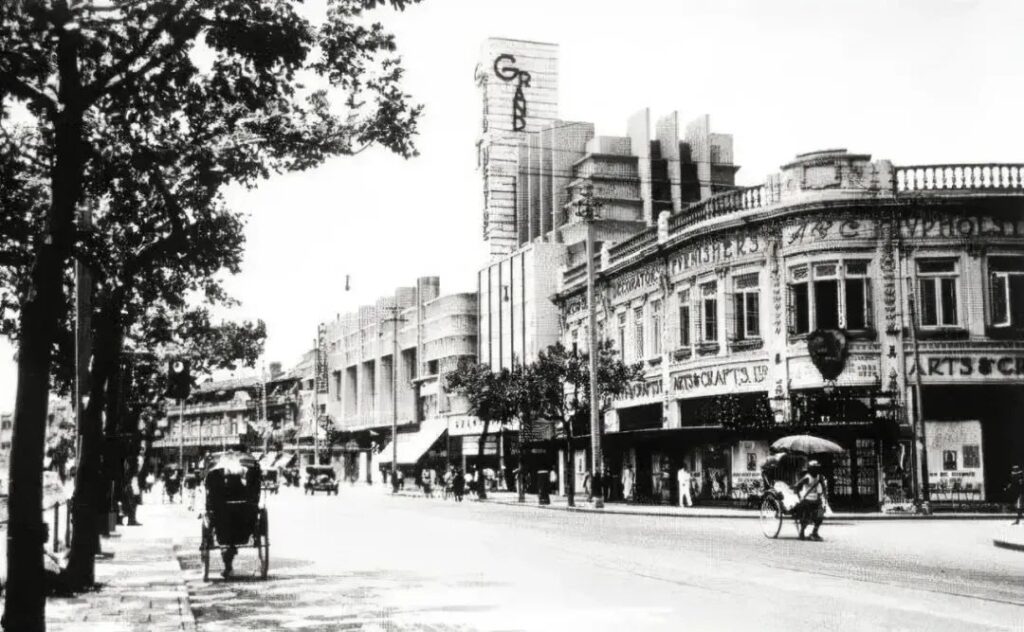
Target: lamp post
x=395, y=317
x=585, y=210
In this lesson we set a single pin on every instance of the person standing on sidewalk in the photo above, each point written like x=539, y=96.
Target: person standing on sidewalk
x=1016, y=489
x=627, y=483
x=684, y=479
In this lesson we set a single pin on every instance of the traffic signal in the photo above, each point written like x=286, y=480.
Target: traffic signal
x=179, y=379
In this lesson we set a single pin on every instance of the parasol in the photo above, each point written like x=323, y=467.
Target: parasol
x=806, y=444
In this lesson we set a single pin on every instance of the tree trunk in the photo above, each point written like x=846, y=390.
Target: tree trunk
x=521, y=472
x=25, y=601
x=87, y=505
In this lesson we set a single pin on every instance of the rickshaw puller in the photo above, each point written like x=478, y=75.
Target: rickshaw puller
x=813, y=491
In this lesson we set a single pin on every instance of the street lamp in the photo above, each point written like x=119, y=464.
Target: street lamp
x=586, y=208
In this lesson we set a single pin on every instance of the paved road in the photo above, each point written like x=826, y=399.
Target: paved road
x=367, y=561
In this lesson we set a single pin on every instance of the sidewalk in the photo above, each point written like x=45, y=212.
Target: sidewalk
x=672, y=511
x=142, y=587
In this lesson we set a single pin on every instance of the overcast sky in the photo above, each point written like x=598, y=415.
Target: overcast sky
x=930, y=81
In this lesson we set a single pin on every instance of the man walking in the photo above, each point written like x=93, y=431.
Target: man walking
x=684, y=479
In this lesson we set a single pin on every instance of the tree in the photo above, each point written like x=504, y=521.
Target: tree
x=489, y=396
x=563, y=377
x=99, y=81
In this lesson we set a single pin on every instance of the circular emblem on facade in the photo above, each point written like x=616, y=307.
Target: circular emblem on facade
x=828, y=351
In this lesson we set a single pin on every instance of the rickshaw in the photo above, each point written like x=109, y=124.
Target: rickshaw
x=321, y=478
x=271, y=484
x=780, y=473
x=234, y=517
x=171, y=477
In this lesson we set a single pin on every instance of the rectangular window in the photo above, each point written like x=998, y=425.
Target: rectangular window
x=746, y=307
x=857, y=295
x=949, y=460
x=622, y=335
x=799, y=301
x=709, y=311
x=655, y=328
x=638, y=333
x=972, y=456
x=1006, y=289
x=684, y=318
x=826, y=296
x=937, y=281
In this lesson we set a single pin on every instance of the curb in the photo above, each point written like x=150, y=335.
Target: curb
x=1006, y=544
x=843, y=517
x=188, y=618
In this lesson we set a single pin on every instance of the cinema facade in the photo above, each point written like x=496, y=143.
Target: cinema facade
x=911, y=277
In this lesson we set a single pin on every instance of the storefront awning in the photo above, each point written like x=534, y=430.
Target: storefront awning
x=285, y=460
x=267, y=460
x=412, y=445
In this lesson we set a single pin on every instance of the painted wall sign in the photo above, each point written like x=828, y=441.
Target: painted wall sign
x=860, y=368
x=960, y=226
x=463, y=425
x=715, y=252
x=640, y=280
x=646, y=391
x=979, y=367
x=815, y=230
x=714, y=380
x=505, y=69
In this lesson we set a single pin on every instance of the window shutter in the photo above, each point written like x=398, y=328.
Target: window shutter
x=869, y=305
x=790, y=310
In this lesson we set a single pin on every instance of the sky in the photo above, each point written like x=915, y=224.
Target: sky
x=915, y=82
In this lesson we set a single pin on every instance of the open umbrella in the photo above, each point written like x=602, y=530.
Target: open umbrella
x=806, y=444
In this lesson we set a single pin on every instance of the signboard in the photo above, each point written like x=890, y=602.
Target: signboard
x=955, y=461
x=471, y=446
x=917, y=226
x=716, y=252
x=467, y=425
x=719, y=379
x=647, y=392
x=963, y=368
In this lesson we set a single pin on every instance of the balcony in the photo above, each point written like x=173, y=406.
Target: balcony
x=980, y=178
x=719, y=205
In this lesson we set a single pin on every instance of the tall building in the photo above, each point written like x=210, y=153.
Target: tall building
x=434, y=332
x=821, y=300
x=518, y=83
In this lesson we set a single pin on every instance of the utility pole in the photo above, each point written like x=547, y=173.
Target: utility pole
x=181, y=435
x=316, y=402
x=585, y=210
x=395, y=317
x=923, y=497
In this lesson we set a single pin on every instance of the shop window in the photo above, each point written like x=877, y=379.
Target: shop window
x=684, y=318
x=829, y=295
x=709, y=312
x=638, y=333
x=1006, y=287
x=656, y=328
x=621, y=339
x=949, y=460
x=937, y=281
x=746, y=307
x=972, y=456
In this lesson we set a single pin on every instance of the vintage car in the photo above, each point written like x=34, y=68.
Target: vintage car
x=321, y=478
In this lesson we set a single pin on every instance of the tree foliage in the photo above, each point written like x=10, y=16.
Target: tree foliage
x=143, y=111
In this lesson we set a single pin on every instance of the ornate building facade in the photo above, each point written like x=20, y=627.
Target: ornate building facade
x=910, y=278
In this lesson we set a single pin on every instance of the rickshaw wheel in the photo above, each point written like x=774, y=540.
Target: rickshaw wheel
x=771, y=517
x=263, y=542
x=205, y=543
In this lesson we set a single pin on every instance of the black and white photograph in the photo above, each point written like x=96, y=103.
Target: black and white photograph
x=511, y=315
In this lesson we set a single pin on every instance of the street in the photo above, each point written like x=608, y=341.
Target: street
x=366, y=560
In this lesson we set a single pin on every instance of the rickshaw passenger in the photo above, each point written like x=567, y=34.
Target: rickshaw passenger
x=813, y=492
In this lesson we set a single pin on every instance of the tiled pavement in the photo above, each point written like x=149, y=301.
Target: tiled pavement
x=142, y=588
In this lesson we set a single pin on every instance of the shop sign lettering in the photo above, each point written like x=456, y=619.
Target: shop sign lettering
x=715, y=252
x=970, y=366
x=725, y=377
x=642, y=390
x=960, y=226
x=811, y=231
x=636, y=281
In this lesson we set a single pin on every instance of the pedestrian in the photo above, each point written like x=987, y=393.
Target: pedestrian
x=606, y=483
x=1016, y=489
x=628, y=483
x=588, y=485
x=553, y=480
x=458, y=485
x=813, y=492
x=428, y=482
x=684, y=479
